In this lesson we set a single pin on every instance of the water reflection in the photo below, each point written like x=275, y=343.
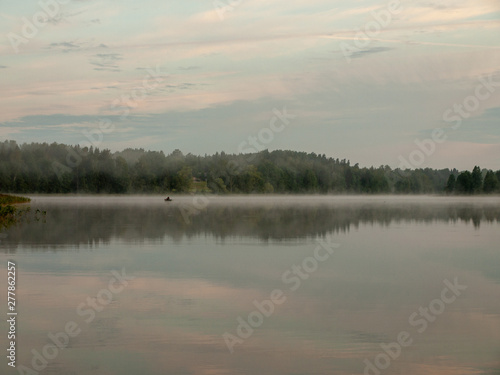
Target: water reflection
x=92, y=221
x=194, y=279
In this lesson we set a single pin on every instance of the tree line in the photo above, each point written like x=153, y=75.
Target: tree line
x=59, y=168
x=475, y=182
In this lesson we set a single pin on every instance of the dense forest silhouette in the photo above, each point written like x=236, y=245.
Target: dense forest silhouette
x=59, y=168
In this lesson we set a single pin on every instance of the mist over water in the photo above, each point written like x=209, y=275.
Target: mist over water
x=90, y=220
x=197, y=269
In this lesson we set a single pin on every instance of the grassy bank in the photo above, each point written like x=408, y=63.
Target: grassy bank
x=8, y=212
x=12, y=199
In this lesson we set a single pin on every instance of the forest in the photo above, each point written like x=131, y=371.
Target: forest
x=59, y=168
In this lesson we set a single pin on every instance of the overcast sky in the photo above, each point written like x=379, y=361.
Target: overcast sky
x=202, y=76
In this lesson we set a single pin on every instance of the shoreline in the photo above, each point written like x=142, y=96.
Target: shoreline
x=8, y=199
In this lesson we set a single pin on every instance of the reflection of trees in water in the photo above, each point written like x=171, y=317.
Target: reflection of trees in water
x=89, y=226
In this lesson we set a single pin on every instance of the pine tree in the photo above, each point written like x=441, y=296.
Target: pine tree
x=477, y=180
x=490, y=184
x=450, y=185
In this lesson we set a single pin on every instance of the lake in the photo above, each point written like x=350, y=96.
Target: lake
x=256, y=285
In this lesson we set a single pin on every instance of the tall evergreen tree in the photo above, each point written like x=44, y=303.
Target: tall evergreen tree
x=450, y=185
x=490, y=183
x=465, y=183
x=477, y=179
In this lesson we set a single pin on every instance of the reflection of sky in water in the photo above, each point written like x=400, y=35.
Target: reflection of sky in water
x=193, y=281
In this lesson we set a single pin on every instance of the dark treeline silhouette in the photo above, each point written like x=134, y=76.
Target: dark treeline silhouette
x=58, y=168
x=474, y=182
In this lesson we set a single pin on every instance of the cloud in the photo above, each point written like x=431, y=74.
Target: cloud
x=51, y=120
x=446, y=13
x=262, y=53
x=56, y=20
x=369, y=51
x=479, y=129
x=106, y=61
x=188, y=67
x=440, y=6
x=65, y=46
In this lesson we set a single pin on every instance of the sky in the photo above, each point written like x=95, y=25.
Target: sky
x=376, y=82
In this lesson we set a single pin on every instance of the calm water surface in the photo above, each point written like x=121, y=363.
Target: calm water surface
x=356, y=274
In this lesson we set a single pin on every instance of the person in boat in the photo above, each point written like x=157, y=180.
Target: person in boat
x=168, y=199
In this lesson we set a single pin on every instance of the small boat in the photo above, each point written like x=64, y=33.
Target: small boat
x=167, y=199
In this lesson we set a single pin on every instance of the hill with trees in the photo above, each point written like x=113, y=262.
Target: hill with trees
x=59, y=168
